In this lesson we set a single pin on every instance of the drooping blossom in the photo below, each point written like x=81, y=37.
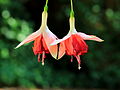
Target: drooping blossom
x=42, y=39
x=75, y=41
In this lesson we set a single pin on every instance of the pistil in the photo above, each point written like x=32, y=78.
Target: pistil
x=43, y=57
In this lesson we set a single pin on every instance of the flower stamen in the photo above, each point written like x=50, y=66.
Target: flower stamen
x=43, y=57
x=71, y=59
x=79, y=61
x=39, y=57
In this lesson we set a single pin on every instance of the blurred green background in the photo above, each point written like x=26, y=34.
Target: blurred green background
x=100, y=66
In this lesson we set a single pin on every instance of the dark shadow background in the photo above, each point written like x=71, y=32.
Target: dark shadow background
x=100, y=66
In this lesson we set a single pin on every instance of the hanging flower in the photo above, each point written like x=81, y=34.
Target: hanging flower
x=74, y=41
x=42, y=39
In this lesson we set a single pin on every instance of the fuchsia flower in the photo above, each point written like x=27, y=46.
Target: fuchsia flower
x=74, y=42
x=42, y=39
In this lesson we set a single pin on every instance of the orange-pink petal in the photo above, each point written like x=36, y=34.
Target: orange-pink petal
x=69, y=46
x=61, y=50
x=66, y=44
x=79, y=45
x=40, y=45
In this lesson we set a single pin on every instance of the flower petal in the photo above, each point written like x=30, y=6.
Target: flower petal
x=79, y=45
x=69, y=46
x=90, y=37
x=37, y=48
x=60, y=40
x=61, y=50
x=30, y=38
x=49, y=37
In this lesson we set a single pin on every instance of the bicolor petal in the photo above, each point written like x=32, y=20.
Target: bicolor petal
x=30, y=38
x=61, y=50
x=49, y=37
x=90, y=37
x=60, y=40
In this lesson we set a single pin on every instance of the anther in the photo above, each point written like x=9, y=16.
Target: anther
x=71, y=59
x=79, y=66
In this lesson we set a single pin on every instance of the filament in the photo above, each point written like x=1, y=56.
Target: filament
x=39, y=57
x=43, y=56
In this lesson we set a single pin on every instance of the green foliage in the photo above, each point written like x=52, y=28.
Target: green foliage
x=100, y=66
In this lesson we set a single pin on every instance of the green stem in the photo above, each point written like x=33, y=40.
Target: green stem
x=71, y=12
x=46, y=6
x=71, y=5
x=46, y=2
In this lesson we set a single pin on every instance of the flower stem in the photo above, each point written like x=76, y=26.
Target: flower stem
x=71, y=12
x=71, y=5
x=46, y=6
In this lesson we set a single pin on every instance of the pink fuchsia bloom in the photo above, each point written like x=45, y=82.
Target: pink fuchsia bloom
x=74, y=42
x=42, y=39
